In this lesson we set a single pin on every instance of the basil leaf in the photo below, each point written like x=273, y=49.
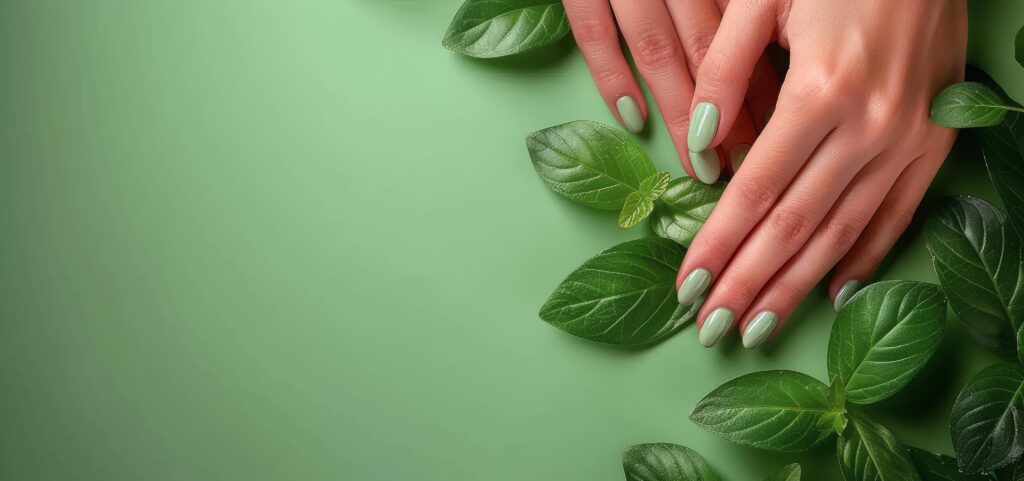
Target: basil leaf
x=837, y=394
x=666, y=462
x=977, y=257
x=624, y=295
x=987, y=424
x=774, y=410
x=789, y=472
x=884, y=336
x=683, y=208
x=868, y=451
x=496, y=28
x=1003, y=148
x=1019, y=47
x=655, y=185
x=939, y=467
x=590, y=163
x=636, y=209
x=969, y=104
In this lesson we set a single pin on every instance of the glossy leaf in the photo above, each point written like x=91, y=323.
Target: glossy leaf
x=939, y=467
x=869, y=452
x=969, y=104
x=884, y=336
x=683, y=208
x=624, y=295
x=987, y=424
x=590, y=163
x=496, y=28
x=977, y=257
x=774, y=410
x=655, y=185
x=1003, y=148
x=789, y=472
x=666, y=462
x=636, y=209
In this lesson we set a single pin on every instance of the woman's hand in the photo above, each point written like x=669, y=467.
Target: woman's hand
x=668, y=40
x=839, y=170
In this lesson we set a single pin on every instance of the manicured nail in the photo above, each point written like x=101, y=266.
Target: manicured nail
x=629, y=111
x=703, y=127
x=706, y=165
x=845, y=293
x=768, y=114
x=715, y=327
x=737, y=155
x=759, y=329
x=693, y=286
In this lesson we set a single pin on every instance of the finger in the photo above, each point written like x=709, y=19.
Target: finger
x=892, y=219
x=830, y=242
x=763, y=92
x=594, y=30
x=782, y=233
x=651, y=36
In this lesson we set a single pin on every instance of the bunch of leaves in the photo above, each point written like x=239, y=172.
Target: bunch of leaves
x=498, y=28
x=672, y=462
x=880, y=340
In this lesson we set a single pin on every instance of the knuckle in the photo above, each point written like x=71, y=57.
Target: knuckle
x=714, y=71
x=841, y=235
x=608, y=75
x=739, y=288
x=698, y=44
x=787, y=295
x=678, y=121
x=789, y=226
x=656, y=50
x=590, y=32
x=714, y=245
x=756, y=197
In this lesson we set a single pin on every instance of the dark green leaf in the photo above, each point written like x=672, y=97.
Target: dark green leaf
x=789, y=472
x=1019, y=47
x=969, y=104
x=636, y=209
x=774, y=410
x=1020, y=344
x=683, y=208
x=624, y=295
x=666, y=462
x=868, y=451
x=590, y=163
x=1003, y=148
x=986, y=424
x=840, y=423
x=939, y=467
x=884, y=336
x=977, y=257
x=496, y=28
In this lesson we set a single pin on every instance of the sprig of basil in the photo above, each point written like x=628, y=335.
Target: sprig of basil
x=970, y=104
x=987, y=422
x=684, y=207
x=666, y=462
x=868, y=451
x=624, y=295
x=977, y=257
x=773, y=410
x=883, y=336
x=497, y=28
x=790, y=472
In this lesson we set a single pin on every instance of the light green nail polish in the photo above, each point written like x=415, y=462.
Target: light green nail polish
x=630, y=113
x=693, y=286
x=706, y=165
x=715, y=327
x=737, y=155
x=759, y=329
x=845, y=293
x=703, y=127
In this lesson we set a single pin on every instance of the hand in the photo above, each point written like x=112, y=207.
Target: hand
x=841, y=167
x=668, y=39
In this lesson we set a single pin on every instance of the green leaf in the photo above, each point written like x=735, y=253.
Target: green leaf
x=1003, y=148
x=884, y=336
x=496, y=28
x=655, y=185
x=1019, y=47
x=977, y=257
x=868, y=451
x=624, y=295
x=666, y=462
x=840, y=423
x=969, y=104
x=837, y=394
x=683, y=208
x=636, y=209
x=774, y=410
x=1020, y=344
x=939, y=467
x=789, y=472
x=986, y=424
x=590, y=163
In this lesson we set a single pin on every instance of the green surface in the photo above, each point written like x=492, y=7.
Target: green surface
x=265, y=240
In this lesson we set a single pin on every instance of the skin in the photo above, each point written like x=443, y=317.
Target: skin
x=834, y=178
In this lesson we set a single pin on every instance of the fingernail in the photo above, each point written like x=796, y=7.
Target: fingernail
x=703, y=127
x=630, y=114
x=759, y=329
x=715, y=326
x=845, y=293
x=693, y=286
x=706, y=165
x=737, y=155
x=768, y=114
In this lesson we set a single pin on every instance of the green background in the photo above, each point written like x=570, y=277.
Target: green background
x=265, y=240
